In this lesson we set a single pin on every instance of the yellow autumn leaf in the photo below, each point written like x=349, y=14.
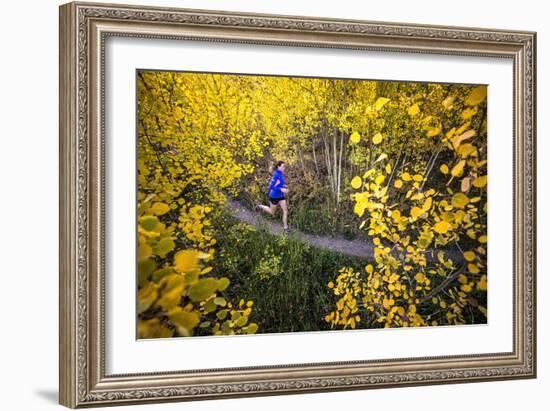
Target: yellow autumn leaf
x=164, y=246
x=416, y=212
x=406, y=177
x=459, y=216
x=398, y=183
x=148, y=222
x=355, y=137
x=413, y=110
x=469, y=256
x=482, y=239
x=146, y=297
x=400, y=311
x=160, y=208
x=448, y=102
x=476, y=96
x=465, y=150
x=187, y=261
x=473, y=268
x=380, y=102
x=444, y=169
x=206, y=270
x=368, y=172
x=417, y=177
x=388, y=168
x=466, y=288
x=360, y=207
x=203, y=289
x=427, y=204
x=419, y=277
x=482, y=283
x=480, y=182
x=469, y=113
x=377, y=139
x=448, y=216
x=388, y=303
x=356, y=182
x=463, y=128
x=459, y=200
x=144, y=252
x=458, y=168
x=185, y=321
x=379, y=179
x=441, y=257
x=434, y=131
x=172, y=287
x=441, y=227
x=153, y=328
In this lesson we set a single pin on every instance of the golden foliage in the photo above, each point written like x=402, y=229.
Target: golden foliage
x=185, y=140
x=415, y=218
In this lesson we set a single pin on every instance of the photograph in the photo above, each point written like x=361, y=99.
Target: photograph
x=285, y=204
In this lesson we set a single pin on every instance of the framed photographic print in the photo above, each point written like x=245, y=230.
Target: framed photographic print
x=260, y=204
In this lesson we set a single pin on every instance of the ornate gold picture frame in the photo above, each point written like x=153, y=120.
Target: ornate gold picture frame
x=84, y=30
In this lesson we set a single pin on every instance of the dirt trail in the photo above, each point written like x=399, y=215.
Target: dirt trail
x=355, y=248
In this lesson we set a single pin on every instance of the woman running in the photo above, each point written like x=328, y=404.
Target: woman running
x=277, y=191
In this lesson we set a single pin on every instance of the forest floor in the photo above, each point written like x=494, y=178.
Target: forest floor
x=356, y=248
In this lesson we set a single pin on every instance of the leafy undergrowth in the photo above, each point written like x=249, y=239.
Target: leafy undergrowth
x=285, y=277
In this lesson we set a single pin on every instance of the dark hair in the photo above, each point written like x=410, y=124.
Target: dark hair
x=278, y=164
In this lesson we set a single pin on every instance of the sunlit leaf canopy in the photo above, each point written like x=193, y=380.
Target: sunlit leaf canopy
x=399, y=165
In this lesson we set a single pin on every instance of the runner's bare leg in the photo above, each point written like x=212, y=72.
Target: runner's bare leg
x=284, y=207
x=269, y=210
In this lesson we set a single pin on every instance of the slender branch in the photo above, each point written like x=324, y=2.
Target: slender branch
x=444, y=284
x=429, y=170
x=143, y=81
x=157, y=154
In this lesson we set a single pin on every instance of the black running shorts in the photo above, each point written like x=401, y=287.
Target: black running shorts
x=275, y=201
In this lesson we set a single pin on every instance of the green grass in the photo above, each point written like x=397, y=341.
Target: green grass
x=286, y=278
x=320, y=216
